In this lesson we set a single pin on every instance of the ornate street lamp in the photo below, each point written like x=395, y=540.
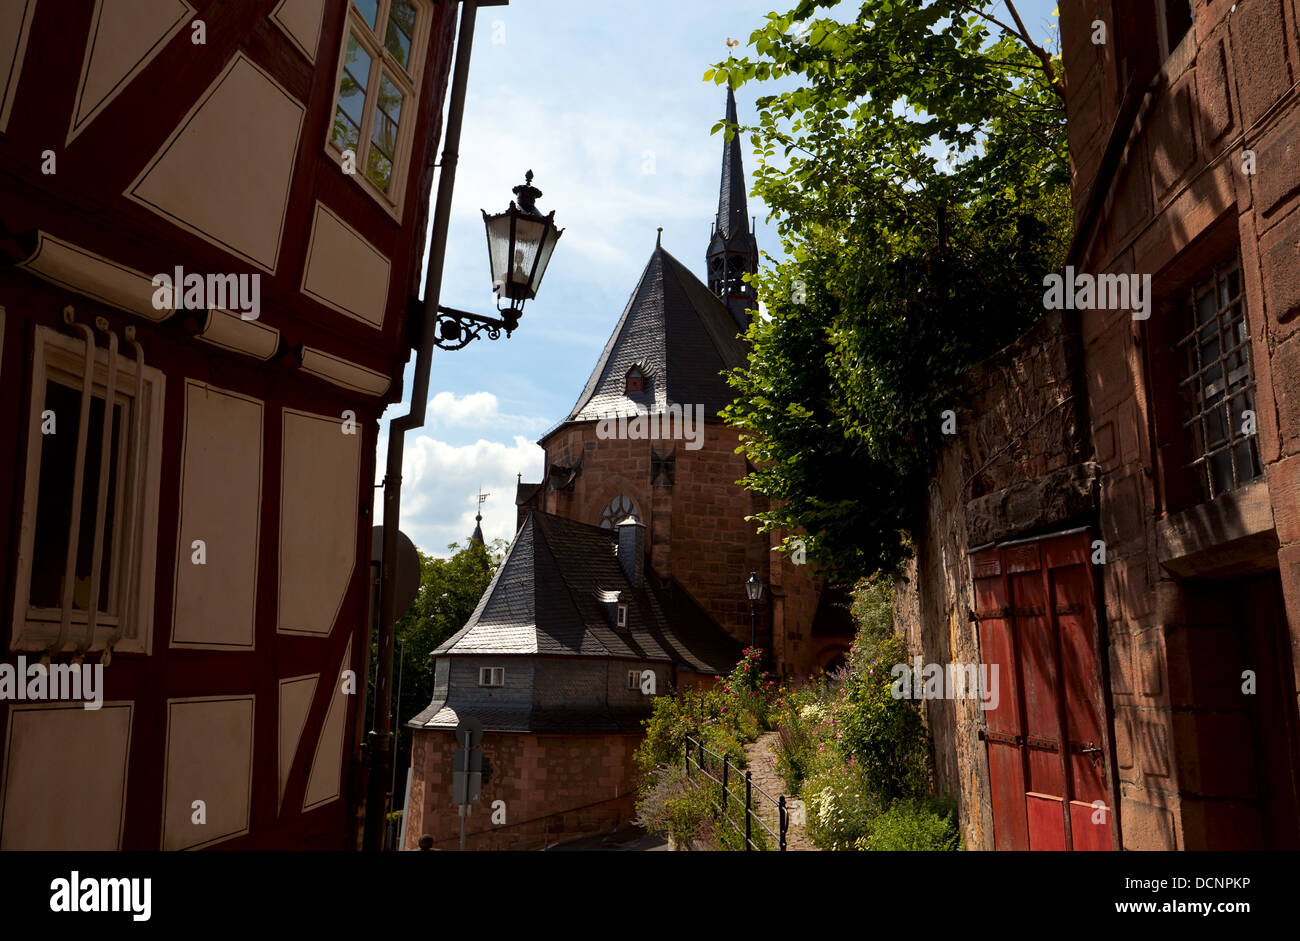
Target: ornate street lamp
x=520, y=243
x=754, y=591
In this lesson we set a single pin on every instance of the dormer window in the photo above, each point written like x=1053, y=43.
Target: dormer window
x=635, y=381
x=621, y=620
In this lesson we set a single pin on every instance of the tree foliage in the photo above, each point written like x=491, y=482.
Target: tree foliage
x=450, y=589
x=919, y=179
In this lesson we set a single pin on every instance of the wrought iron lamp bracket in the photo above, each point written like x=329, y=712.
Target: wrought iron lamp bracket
x=457, y=328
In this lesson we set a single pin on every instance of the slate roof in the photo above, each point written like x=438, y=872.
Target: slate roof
x=545, y=600
x=679, y=333
x=525, y=492
x=523, y=718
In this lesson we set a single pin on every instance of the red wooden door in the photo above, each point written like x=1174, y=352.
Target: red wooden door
x=1035, y=602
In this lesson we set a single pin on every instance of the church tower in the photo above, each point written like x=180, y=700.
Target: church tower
x=665, y=360
x=733, y=250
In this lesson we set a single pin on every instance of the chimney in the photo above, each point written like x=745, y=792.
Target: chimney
x=631, y=549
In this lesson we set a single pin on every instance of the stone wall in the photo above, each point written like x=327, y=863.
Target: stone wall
x=555, y=787
x=1171, y=198
x=1015, y=467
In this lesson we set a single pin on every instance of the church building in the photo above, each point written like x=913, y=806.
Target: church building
x=627, y=575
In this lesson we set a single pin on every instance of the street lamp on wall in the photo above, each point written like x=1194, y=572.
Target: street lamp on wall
x=520, y=243
x=754, y=591
x=529, y=241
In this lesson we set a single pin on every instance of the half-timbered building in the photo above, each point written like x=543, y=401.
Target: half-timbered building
x=211, y=224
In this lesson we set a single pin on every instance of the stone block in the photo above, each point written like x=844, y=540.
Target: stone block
x=1260, y=52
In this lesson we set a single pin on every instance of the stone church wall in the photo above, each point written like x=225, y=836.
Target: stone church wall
x=697, y=527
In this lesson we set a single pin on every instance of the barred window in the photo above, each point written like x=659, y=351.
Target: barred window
x=1218, y=384
x=88, y=537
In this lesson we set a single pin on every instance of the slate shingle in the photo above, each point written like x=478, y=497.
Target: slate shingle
x=679, y=333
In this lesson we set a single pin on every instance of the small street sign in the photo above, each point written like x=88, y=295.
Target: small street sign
x=467, y=769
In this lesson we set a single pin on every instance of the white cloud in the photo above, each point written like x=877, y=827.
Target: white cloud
x=479, y=410
x=475, y=407
x=440, y=485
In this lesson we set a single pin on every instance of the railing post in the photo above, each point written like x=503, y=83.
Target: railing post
x=726, y=769
x=687, y=769
x=749, y=803
x=784, y=819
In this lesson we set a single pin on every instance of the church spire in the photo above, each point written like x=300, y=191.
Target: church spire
x=733, y=250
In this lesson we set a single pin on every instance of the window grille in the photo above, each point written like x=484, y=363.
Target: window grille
x=1218, y=384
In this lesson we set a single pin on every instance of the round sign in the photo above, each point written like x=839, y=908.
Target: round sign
x=408, y=567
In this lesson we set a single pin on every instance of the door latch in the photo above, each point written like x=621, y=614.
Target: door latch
x=1091, y=749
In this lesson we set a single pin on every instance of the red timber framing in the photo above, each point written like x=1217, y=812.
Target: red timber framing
x=1048, y=740
x=85, y=202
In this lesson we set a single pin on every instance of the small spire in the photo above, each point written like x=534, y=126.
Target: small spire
x=477, y=535
x=660, y=237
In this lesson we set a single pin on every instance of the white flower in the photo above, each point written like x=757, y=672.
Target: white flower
x=812, y=713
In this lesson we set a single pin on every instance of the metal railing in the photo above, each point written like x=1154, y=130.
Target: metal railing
x=731, y=793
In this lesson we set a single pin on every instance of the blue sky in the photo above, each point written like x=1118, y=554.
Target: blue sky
x=606, y=105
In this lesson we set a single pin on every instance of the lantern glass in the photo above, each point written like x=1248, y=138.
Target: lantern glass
x=530, y=231
x=754, y=587
x=519, y=249
x=498, y=236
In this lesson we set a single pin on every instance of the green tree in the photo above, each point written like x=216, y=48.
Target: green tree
x=921, y=192
x=450, y=589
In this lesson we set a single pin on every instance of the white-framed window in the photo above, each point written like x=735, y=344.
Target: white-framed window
x=52, y=598
x=376, y=92
x=491, y=676
x=621, y=619
x=633, y=679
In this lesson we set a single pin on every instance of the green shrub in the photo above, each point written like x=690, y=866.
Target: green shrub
x=672, y=806
x=724, y=742
x=673, y=717
x=838, y=805
x=885, y=735
x=924, y=825
x=751, y=695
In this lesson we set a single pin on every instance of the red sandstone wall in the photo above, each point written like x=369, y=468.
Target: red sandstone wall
x=555, y=787
x=1179, y=200
x=698, y=531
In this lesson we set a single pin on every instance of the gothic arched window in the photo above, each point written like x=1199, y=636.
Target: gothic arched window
x=617, y=510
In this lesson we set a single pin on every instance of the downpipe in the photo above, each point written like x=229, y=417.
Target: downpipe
x=380, y=739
